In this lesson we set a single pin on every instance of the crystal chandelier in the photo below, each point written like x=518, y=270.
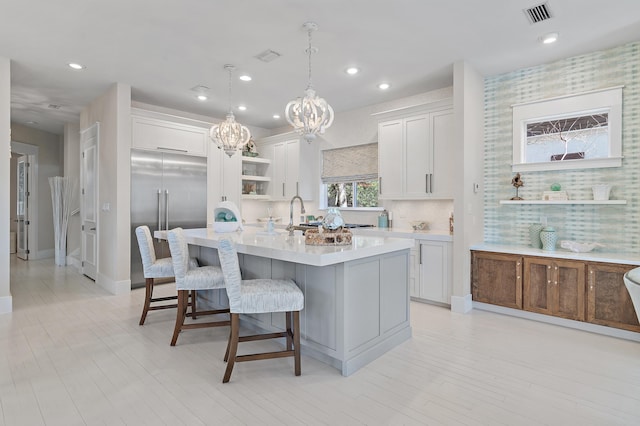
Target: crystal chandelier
x=230, y=135
x=309, y=115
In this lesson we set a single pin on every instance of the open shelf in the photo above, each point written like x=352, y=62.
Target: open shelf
x=246, y=159
x=605, y=202
x=255, y=197
x=256, y=178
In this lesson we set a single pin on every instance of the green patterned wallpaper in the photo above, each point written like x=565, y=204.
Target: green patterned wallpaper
x=617, y=226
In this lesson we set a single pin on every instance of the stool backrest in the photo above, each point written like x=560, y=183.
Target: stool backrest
x=231, y=271
x=179, y=253
x=145, y=243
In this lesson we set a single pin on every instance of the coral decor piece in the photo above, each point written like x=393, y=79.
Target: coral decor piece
x=324, y=237
x=517, y=182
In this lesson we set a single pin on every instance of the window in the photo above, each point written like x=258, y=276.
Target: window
x=569, y=132
x=350, y=176
x=353, y=194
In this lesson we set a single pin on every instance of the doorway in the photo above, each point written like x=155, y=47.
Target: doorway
x=24, y=198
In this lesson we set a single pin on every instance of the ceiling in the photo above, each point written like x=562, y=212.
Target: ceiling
x=165, y=48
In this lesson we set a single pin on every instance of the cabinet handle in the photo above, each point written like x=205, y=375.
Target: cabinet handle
x=380, y=185
x=430, y=183
x=283, y=189
x=426, y=183
x=297, y=188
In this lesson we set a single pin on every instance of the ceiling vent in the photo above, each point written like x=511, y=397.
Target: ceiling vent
x=538, y=13
x=268, y=55
x=54, y=106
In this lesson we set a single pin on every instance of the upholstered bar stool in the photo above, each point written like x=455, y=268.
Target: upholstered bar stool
x=632, y=282
x=255, y=297
x=188, y=278
x=152, y=268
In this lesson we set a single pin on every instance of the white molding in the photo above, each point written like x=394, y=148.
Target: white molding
x=75, y=263
x=6, y=305
x=43, y=254
x=568, y=96
x=578, y=325
x=461, y=304
x=113, y=287
x=610, y=202
x=445, y=103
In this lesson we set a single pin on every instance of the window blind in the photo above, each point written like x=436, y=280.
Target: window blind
x=350, y=164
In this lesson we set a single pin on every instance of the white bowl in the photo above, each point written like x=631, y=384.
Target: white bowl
x=577, y=247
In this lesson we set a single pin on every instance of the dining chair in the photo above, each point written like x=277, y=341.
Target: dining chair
x=192, y=278
x=259, y=296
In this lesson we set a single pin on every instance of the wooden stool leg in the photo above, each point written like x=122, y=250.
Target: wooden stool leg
x=296, y=341
x=287, y=316
x=233, y=346
x=226, y=354
x=148, y=294
x=193, y=304
x=183, y=300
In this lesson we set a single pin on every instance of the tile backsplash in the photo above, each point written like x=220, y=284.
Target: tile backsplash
x=617, y=226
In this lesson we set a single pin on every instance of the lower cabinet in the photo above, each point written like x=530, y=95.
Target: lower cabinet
x=573, y=289
x=496, y=278
x=554, y=287
x=433, y=279
x=608, y=301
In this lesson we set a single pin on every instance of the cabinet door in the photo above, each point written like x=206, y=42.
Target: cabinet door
x=418, y=157
x=223, y=179
x=414, y=270
x=291, y=180
x=441, y=180
x=497, y=279
x=435, y=271
x=154, y=134
x=608, y=302
x=278, y=166
x=390, y=164
x=538, y=285
x=569, y=289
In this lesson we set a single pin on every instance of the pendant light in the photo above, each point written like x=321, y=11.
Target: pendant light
x=230, y=135
x=310, y=115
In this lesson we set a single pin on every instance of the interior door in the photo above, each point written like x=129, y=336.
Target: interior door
x=23, y=208
x=89, y=200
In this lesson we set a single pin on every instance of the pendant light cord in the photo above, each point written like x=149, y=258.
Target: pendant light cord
x=309, y=50
x=230, y=71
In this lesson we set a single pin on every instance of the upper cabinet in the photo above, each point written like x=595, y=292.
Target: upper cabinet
x=415, y=155
x=162, y=135
x=293, y=167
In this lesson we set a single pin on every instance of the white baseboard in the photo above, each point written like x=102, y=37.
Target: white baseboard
x=75, y=262
x=113, y=287
x=461, y=304
x=6, y=304
x=43, y=254
x=578, y=325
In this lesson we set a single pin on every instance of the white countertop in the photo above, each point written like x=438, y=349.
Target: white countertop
x=280, y=246
x=592, y=256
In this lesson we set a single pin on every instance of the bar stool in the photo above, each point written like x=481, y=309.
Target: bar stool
x=259, y=296
x=632, y=282
x=191, y=278
x=152, y=268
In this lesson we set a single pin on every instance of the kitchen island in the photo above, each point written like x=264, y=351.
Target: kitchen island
x=356, y=296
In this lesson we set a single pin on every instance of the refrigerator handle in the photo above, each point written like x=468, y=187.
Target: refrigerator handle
x=159, y=211
x=166, y=209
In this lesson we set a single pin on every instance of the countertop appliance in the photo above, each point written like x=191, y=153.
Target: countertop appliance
x=167, y=191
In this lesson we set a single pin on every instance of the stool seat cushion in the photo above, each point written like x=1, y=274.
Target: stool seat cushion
x=201, y=278
x=634, y=275
x=267, y=295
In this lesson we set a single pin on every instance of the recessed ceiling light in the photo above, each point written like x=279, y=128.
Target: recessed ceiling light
x=245, y=77
x=76, y=66
x=549, y=38
x=202, y=97
x=352, y=71
x=276, y=116
x=383, y=86
x=242, y=107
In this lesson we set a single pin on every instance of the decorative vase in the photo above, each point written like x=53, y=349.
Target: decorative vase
x=534, y=235
x=333, y=220
x=549, y=238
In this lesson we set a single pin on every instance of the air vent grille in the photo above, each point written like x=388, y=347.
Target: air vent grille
x=268, y=55
x=538, y=13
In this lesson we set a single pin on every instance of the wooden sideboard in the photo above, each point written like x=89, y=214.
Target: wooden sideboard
x=579, y=290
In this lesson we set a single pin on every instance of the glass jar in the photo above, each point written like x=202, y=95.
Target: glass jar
x=333, y=220
x=534, y=235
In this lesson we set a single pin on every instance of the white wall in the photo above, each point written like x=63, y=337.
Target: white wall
x=49, y=165
x=5, y=158
x=113, y=111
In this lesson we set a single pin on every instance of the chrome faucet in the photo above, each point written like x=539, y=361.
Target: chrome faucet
x=290, y=227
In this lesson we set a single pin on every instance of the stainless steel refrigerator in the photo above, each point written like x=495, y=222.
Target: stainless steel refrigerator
x=167, y=191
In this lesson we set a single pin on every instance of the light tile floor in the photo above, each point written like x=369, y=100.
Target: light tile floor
x=70, y=354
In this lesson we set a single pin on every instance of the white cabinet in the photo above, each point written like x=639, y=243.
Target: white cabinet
x=223, y=178
x=415, y=155
x=255, y=178
x=163, y=135
x=434, y=270
x=294, y=166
